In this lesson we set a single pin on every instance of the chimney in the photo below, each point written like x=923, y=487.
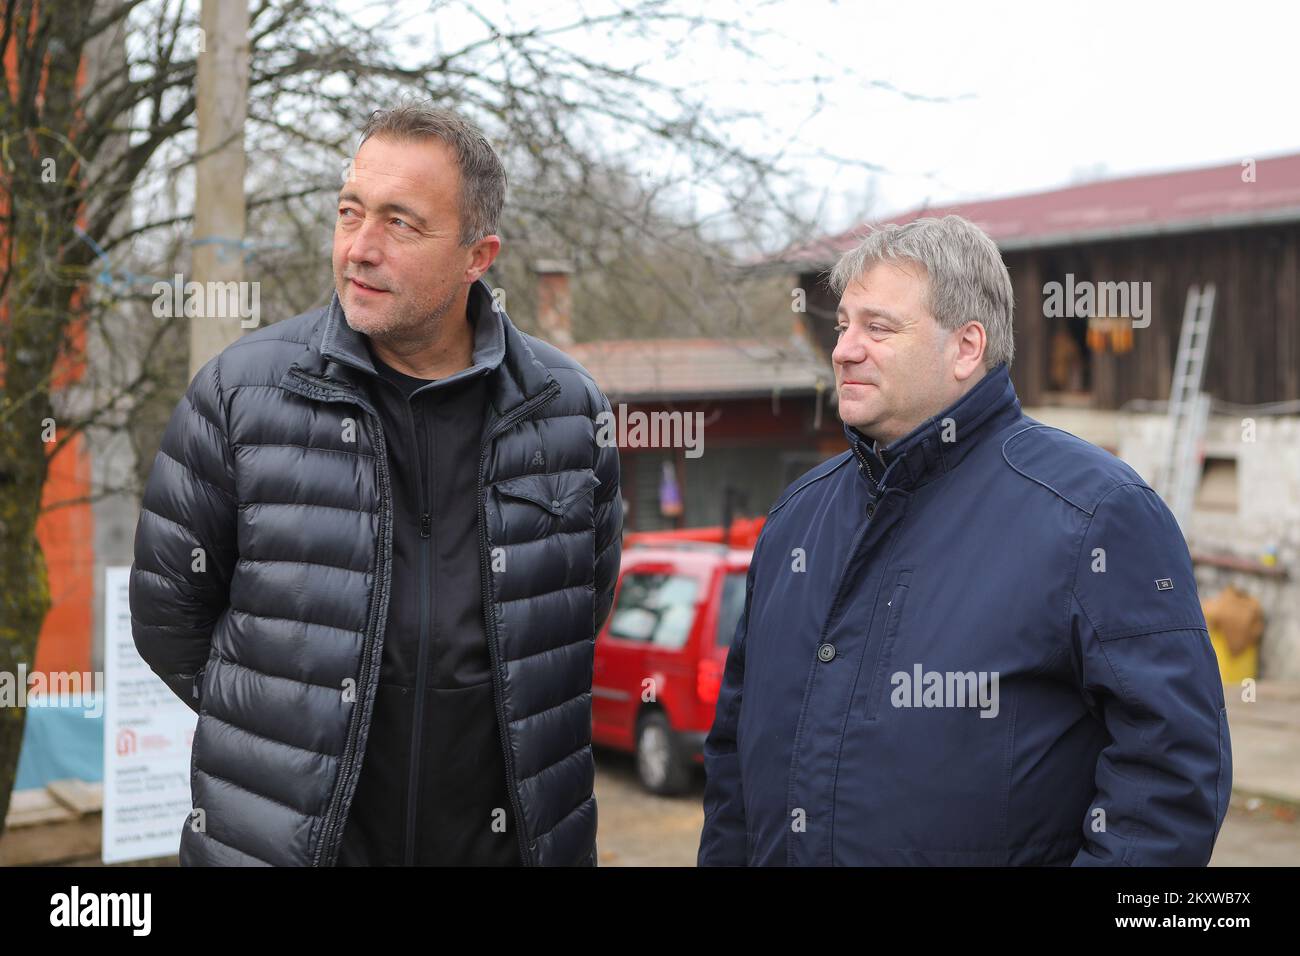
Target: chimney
x=554, y=301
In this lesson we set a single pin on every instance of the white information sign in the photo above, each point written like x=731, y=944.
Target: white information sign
x=148, y=735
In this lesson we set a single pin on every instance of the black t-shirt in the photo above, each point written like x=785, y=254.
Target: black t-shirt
x=406, y=383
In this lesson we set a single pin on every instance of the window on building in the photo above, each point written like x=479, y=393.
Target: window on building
x=1218, y=488
x=1069, y=352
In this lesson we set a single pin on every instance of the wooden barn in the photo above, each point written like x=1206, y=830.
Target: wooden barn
x=1237, y=226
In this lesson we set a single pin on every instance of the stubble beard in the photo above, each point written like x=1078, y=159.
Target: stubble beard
x=405, y=322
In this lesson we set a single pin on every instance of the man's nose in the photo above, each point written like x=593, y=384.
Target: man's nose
x=850, y=349
x=365, y=246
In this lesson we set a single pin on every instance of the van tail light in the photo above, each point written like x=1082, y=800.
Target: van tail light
x=708, y=680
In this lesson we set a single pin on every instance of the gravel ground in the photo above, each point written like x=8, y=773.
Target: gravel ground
x=638, y=829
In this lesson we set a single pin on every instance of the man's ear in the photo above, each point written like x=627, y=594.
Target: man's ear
x=481, y=256
x=972, y=341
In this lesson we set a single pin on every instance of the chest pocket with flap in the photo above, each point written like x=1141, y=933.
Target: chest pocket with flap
x=549, y=503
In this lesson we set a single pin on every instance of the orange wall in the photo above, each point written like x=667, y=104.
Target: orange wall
x=66, y=534
x=67, y=537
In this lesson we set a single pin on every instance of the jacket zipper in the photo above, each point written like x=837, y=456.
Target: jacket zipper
x=857, y=450
x=318, y=389
x=885, y=650
x=489, y=612
x=422, y=658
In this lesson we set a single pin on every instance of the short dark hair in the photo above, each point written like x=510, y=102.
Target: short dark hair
x=482, y=177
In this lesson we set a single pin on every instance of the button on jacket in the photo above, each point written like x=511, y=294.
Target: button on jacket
x=981, y=647
x=264, y=576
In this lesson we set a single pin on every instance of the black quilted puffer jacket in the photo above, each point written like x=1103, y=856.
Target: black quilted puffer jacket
x=261, y=585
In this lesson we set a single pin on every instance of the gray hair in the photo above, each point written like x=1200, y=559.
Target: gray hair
x=482, y=177
x=966, y=277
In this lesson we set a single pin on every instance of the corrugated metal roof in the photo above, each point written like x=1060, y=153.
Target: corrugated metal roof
x=1189, y=200
x=638, y=369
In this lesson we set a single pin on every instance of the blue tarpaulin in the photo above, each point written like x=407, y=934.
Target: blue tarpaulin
x=60, y=742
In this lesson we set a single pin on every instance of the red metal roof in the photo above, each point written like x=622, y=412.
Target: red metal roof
x=1189, y=200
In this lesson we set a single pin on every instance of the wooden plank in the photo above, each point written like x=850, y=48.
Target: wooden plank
x=33, y=808
x=1028, y=367
x=77, y=795
x=74, y=839
x=1233, y=562
x=1287, y=316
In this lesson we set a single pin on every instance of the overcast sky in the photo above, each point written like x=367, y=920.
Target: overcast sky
x=1036, y=94
x=1042, y=93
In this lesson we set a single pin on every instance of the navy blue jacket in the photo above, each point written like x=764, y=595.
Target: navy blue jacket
x=983, y=647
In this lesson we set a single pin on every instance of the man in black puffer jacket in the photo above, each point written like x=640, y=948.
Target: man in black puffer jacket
x=376, y=546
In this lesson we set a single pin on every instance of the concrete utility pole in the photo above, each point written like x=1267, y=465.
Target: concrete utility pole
x=218, y=253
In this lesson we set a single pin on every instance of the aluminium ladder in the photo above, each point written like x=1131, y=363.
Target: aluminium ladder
x=1189, y=407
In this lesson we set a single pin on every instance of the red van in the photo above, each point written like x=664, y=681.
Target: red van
x=660, y=655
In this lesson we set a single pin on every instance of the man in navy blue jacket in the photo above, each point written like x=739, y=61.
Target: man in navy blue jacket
x=972, y=639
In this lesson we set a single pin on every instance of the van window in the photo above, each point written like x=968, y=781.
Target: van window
x=655, y=608
x=733, y=602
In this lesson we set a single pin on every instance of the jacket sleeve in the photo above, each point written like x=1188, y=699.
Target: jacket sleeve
x=1149, y=673
x=185, y=540
x=723, y=841
x=609, y=520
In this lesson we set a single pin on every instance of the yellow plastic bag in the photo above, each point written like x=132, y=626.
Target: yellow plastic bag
x=1234, y=668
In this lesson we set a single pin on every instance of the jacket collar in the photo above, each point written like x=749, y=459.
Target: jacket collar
x=939, y=444
x=338, y=353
